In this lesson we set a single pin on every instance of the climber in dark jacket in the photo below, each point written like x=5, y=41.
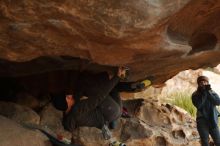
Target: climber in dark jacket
x=206, y=100
x=91, y=103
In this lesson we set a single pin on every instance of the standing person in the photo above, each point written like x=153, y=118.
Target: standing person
x=205, y=100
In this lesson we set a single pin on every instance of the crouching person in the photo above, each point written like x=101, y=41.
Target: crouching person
x=91, y=104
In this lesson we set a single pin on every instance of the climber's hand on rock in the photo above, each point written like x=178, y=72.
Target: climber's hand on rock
x=121, y=72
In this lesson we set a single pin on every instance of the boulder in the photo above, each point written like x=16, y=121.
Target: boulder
x=155, y=124
x=27, y=100
x=52, y=119
x=13, y=134
x=172, y=124
x=18, y=113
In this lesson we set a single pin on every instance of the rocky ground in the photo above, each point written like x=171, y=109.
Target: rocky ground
x=152, y=124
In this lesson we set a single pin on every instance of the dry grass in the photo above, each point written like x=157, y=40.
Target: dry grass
x=183, y=100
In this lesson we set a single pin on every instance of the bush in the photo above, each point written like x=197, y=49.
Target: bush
x=183, y=100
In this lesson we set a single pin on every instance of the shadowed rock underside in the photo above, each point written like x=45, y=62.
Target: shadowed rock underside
x=155, y=39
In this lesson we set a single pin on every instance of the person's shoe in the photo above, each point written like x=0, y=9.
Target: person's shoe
x=106, y=132
x=125, y=113
x=117, y=143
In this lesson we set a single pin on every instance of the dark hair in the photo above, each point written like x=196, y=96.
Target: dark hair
x=202, y=78
x=59, y=101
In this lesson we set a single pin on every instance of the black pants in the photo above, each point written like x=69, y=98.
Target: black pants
x=108, y=111
x=204, y=130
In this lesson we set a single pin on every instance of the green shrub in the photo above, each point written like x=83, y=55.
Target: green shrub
x=183, y=100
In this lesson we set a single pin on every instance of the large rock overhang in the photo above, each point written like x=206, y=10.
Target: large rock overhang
x=155, y=39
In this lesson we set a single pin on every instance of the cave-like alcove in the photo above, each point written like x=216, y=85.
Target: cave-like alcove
x=31, y=83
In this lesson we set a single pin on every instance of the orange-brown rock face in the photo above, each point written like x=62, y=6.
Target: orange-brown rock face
x=155, y=124
x=153, y=38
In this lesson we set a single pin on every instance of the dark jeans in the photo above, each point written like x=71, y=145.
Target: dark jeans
x=203, y=127
x=108, y=111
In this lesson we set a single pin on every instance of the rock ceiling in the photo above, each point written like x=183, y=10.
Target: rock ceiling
x=155, y=38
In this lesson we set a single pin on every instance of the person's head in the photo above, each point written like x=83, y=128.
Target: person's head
x=70, y=101
x=202, y=81
x=62, y=102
